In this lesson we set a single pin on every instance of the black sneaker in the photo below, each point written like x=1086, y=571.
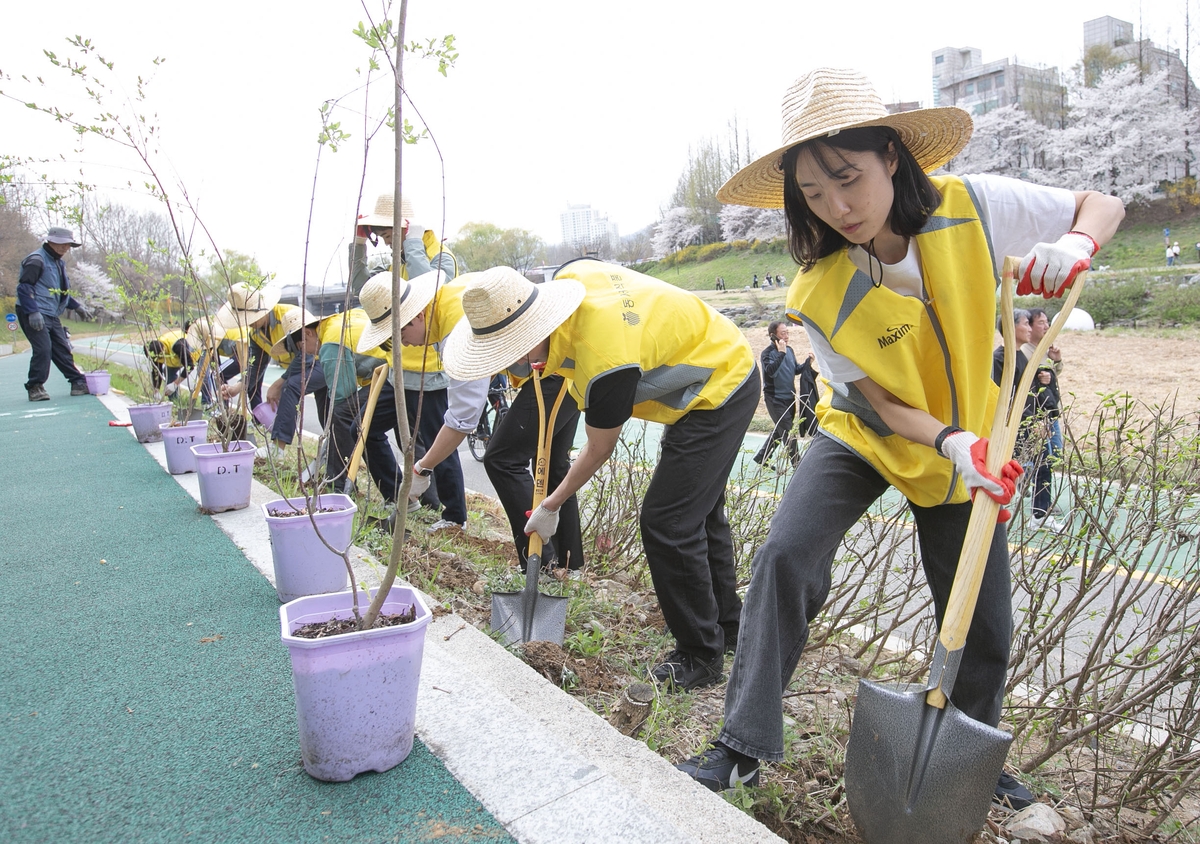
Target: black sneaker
x=685, y=671
x=38, y=393
x=1012, y=794
x=720, y=768
x=79, y=389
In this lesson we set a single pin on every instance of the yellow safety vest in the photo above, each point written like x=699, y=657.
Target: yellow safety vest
x=168, y=357
x=689, y=356
x=329, y=330
x=933, y=354
x=441, y=315
x=267, y=337
x=412, y=357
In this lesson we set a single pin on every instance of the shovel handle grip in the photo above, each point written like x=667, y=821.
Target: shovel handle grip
x=541, y=467
x=964, y=594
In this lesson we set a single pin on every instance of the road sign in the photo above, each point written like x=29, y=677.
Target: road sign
x=10, y=317
x=12, y=326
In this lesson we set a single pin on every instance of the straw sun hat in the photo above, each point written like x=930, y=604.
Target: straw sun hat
x=825, y=101
x=376, y=299
x=246, y=305
x=292, y=321
x=506, y=316
x=384, y=213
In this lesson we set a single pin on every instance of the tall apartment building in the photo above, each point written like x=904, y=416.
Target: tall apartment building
x=588, y=229
x=963, y=79
x=1116, y=37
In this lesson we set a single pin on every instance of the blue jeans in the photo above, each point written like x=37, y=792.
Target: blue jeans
x=792, y=576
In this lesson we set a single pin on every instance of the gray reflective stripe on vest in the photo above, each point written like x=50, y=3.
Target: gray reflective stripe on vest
x=987, y=235
x=860, y=285
x=849, y=399
x=674, y=386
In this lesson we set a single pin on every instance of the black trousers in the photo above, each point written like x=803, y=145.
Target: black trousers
x=792, y=575
x=303, y=376
x=511, y=449
x=377, y=451
x=49, y=345
x=783, y=414
x=380, y=460
x=684, y=529
x=447, y=475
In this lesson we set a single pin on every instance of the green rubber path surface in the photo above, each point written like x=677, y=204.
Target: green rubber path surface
x=144, y=692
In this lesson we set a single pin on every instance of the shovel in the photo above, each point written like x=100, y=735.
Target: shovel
x=528, y=615
x=919, y=771
x=378, y=378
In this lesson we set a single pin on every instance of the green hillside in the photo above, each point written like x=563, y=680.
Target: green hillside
x=1137, y=245
x=737, y=268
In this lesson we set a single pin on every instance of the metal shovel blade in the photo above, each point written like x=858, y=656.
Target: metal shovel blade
x=917, y=774
x=529, y=615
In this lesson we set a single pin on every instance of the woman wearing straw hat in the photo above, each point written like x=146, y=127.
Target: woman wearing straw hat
x=223, y=364
x=421, y=252
x=897, y=295
x=256, y=313
x=429, y=309
x=171, y=358
x=633, y=346
x=324, y=364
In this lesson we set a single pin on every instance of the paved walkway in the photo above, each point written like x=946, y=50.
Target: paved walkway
x=145, y=695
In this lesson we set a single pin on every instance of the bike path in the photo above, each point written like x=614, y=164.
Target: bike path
x=145, y=694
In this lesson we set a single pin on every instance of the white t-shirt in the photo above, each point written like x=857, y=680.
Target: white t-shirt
x=1017, y=214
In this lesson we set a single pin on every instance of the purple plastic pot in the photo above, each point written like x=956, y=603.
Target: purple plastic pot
x=178, y=441
x=265, y=414
x=147, y=418
x=356, y=693
x=303, y=564
x=225, y=476
x=98, y=381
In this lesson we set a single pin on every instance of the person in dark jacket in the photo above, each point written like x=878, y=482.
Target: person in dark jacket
x=1037, y=418
x=780, y=370
x=43, y=294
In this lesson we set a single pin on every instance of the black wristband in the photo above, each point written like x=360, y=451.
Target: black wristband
x=941, y=438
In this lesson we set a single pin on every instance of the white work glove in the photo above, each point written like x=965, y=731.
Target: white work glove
x=1049, y=268
x=543, y=522
x=171, y=388
x=420, y=483
x=968, y=453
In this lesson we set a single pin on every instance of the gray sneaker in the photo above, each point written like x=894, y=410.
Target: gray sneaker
x=79, y=389
x=38, y=393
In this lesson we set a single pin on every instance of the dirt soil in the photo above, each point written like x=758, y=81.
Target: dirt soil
x=1097, y=363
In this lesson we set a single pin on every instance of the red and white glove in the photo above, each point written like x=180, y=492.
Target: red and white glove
x=968, y=453
x=543, y=522
x=1050, y=268
x=362, y=232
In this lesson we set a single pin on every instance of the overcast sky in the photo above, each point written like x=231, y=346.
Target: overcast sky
x=550, y=102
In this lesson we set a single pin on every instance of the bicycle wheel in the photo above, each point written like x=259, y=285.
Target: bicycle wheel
x=477, y=441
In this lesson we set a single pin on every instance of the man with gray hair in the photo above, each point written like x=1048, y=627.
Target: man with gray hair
x=43, y=294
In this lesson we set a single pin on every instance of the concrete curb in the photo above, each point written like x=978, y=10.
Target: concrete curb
x=546, y=767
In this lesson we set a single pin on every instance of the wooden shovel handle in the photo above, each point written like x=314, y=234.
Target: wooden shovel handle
x=378, y=378
x=1009, y=406
x=541, y=462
